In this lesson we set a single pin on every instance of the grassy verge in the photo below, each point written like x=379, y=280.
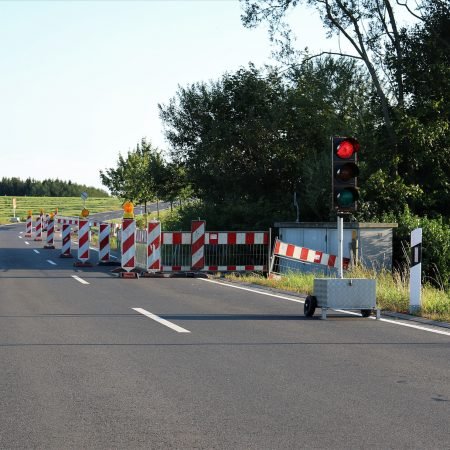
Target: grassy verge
x=67, y=206
x=392, y=291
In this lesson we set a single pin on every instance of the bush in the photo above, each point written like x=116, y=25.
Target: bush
x=435, y=246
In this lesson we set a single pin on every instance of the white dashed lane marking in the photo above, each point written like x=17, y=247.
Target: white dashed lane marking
x=161, y=320
x=80, y=280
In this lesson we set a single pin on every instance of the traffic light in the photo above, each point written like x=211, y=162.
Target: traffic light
x=345, y=173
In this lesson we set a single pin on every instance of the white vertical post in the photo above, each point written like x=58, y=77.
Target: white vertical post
x=340, y=231
x=415, y=279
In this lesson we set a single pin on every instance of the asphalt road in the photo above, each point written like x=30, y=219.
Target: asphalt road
x=228, y=369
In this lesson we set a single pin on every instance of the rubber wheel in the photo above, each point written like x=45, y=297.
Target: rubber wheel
x=366, y=312
x=310, y=306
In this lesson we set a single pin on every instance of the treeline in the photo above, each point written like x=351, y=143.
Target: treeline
x=46, y=188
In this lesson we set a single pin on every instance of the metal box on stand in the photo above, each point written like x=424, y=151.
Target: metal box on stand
x=342, y=293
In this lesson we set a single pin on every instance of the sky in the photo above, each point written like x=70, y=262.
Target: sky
x=81, y=80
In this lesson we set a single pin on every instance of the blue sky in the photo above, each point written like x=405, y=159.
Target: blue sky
x=81, y=80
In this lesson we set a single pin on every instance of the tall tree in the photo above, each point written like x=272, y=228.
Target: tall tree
x=138, y=176
x=370, y=27
x=252, y=135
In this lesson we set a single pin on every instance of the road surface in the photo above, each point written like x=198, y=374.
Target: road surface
x=88, y=360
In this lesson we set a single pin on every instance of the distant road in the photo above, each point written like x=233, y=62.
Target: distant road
x=88, y=360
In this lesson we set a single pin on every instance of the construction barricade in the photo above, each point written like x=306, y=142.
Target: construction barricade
x=292, y=258
x=38, y=236
x=50, y=234
x=202, y=251
x=128, y=249
x=29, y=225
x=66, y=241
x=83, y=244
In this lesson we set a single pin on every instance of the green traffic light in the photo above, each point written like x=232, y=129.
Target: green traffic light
x=347, y=197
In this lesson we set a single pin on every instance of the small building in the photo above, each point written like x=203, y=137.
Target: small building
x=367, y=243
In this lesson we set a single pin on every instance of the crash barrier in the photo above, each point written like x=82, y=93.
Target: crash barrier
x=224, y=251
x=285, y=256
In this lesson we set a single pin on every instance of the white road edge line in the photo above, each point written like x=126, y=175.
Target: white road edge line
x=253, y=290
x=36, y=251
x=80, y=280
x=394, y=322
x=51, y=262
x=161, y=320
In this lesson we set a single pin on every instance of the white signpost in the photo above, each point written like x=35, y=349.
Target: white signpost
x=415, y=279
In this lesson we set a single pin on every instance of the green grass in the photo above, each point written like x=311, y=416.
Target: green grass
x=67, y=206
x=392, y=290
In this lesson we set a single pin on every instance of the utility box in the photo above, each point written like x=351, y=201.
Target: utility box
x=342, y=293
x=367, y=243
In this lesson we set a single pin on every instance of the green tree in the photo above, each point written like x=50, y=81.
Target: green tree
x=139, y=176
x=251, y=136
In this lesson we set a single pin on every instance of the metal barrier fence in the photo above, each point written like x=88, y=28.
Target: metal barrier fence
x=223, y=251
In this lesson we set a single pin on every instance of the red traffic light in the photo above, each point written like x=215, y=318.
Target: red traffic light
x=347, y=148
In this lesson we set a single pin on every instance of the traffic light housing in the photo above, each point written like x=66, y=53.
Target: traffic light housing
x=345, y=173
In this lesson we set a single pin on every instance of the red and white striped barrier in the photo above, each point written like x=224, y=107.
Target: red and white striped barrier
x=74, y=221
x=50, y=234
x=176, y=237
x=38, y=236
x=128, y=245
x=154, y=246
x=236, y=238
x=104, y=248
x=198, y=244
x=66, y=242
x=66, y=221
x=29, y=226
x=45, y=222
x=83, y=244
x=307, y=255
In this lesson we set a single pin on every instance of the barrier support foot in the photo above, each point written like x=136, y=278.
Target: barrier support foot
x=82, y=264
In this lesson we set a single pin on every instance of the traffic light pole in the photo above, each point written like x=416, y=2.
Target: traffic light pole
x=340, y=231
